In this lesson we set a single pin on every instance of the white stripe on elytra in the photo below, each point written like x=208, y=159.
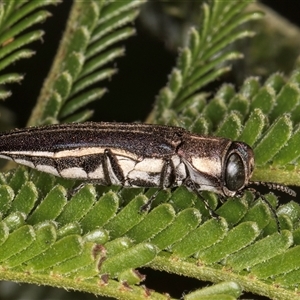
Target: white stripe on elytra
x=5, y=157
x=24, y=162
x=97, y=174
x=47, y=169
x=29, y=153
x=71, y=153
x=73, y=172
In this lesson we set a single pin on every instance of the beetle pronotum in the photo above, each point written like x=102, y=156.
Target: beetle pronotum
x=134, y=155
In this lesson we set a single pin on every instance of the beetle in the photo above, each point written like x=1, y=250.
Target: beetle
x=135, y=155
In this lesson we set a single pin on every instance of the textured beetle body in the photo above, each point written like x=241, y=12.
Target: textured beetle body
x=135, y=155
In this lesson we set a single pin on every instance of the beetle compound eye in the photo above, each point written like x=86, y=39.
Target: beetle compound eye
x=235, y=173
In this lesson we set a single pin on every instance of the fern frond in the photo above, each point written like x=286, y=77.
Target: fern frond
x=15, y=18
x=93, y=238
x=204, y=59
x=84, y=52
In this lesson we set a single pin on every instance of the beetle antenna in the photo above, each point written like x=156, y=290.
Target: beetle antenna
x=275, y=186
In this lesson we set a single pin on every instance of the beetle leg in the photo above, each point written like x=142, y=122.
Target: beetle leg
x=191, y=184
x=167, y=179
